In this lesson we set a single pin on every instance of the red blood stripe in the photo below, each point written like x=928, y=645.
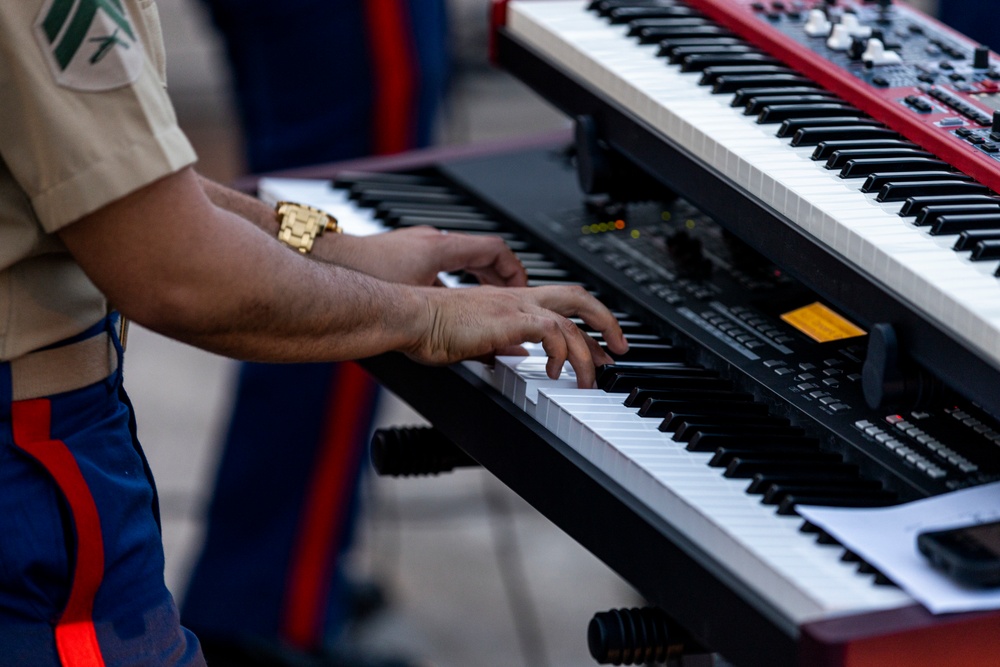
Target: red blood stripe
x=325, y=510
x=394, y=65
x=76, y=640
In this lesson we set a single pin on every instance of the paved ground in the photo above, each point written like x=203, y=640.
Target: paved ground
x=443, y=545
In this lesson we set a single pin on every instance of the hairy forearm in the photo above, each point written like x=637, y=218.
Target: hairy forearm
x=203, y=276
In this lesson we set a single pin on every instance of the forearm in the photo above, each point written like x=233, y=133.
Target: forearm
x=205, y=277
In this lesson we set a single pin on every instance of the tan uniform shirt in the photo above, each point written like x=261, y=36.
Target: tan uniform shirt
x=84, y=120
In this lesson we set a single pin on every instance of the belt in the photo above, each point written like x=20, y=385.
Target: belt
x=65, y=368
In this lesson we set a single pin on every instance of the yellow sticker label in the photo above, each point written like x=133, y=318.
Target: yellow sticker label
x=822, y=324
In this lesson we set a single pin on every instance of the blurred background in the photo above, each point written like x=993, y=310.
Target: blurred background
x=443, y=547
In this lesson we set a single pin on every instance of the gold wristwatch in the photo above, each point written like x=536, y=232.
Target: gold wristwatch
x=301, y=224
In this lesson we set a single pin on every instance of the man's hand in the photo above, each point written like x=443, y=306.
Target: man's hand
x=469, y=323
x=415, y=255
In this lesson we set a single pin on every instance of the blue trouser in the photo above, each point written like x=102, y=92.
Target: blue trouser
x=283, y=508
x=81, y=561
x=316, y=81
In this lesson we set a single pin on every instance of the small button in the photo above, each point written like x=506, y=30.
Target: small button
x=821, y=394
x=854, y=377
x=880, y=81
x=990, y=147
x=839, y=407
x=832, y=362
x=807, y=386
x=783, y=371
x=832, y=371
x=883, y=437
x=806, y=366
x=894, y=419
x=944, y=64
x=771, y=363
x=827, y=400
x=862, y=423
x=832, y=382
x=802, y=377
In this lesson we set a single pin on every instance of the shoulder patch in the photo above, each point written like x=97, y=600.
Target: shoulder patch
x=90, y=45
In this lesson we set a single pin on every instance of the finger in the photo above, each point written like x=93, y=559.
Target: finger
x=577, y=302
x=486, y=257
x=581, y=355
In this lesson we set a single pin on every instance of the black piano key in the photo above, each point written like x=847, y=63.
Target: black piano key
x=667, y=46
x=608, y=371
x=744, y=95
x=649, y=352
x=620, y=15
x=602, y=7
x=624, y=384
x=372, y=198
x=710, y=75
x=915, y=204
x=778, y=492
x=792, y=126
x=719, y=418
x=358, y=190
x=681, y=407
x=608, y=381
x=677, y=17
x=677, y=54
x=638, y=396
x=968, y=240
x=787, y=506
x=761, y=482
x=986, y=250
x=827, y=148
x=779, y=113
x=839, y=159
x=730, y=83
x=689, y=430
x=725, y=455
x=930, y=214
x=811, y=136
x=654, y=34
x=755, y=104
x=875, y=182
x=682, y=411
x=861, y=168
x=745, y=469
x=773, y=491
x=451, y=224
x=955, y=224
x=346, y=179
x=699, y=62
x=902, y=191
x=390, y=209
x=709, y=442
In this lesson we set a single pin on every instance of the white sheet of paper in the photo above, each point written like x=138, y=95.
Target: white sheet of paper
x=887, y=539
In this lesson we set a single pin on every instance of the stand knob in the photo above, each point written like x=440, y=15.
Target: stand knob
x=634, y=637
x=417, y=451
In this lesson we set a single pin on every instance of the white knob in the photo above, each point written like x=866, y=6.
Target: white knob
x=840, y=38
x=854, y=27
x=817, y=25
x=876, y=54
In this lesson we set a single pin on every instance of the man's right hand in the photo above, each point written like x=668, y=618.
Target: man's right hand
x=479, y=321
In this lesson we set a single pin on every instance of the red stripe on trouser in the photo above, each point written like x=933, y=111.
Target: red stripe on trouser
x=394, y=65
x=76, y=640
x=325, y=509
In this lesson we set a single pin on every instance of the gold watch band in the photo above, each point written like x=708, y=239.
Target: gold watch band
x=301, y=225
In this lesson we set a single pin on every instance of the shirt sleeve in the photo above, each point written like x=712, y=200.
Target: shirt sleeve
x=84, y=114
